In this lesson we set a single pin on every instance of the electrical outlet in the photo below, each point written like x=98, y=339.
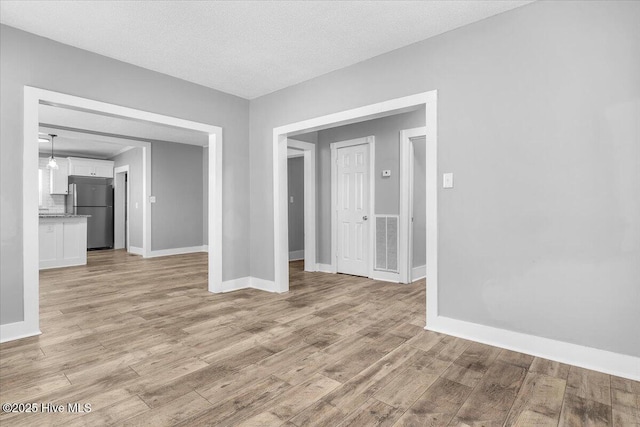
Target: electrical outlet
x=447, y=180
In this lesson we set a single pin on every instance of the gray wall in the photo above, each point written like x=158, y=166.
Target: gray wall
x=295, y=180
x=78, y=72
x=387, y=137
x=419, y=203
x=538, y=117
x=176, y=182
x=133, y=158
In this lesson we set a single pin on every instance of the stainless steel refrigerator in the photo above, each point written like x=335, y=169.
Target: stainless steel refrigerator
x=93, y=196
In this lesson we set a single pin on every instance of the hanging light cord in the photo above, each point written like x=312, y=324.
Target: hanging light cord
x=52, y=136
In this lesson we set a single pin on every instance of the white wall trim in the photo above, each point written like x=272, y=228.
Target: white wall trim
x=136, y=250
x=262, y=285
x=235, y=284
x=419, y=272
x=116, y=171
x=310, y=231
x=573, y=354
x=16, y=331
x=247, y=282
x=386, y=276
x=406, y=202
x=368, y=112
x=335, y=146
x=296, y=255
x=32, y=98
x=176, y=251
x=324, y=268
x=205, y=248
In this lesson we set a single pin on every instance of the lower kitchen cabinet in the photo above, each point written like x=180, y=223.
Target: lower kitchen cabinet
x=63, y=241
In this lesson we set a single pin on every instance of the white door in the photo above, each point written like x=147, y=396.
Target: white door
x=353, y=210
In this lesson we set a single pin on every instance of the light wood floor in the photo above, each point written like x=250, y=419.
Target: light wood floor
x=144, y=343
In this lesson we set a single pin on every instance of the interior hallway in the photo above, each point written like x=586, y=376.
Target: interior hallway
x=143, y=342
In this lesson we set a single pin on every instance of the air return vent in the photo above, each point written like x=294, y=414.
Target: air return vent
x=387, y=242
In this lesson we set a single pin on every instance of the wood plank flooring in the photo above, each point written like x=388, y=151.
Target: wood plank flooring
x=144, y=343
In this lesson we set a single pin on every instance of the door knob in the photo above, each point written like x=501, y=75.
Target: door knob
x=365, y=217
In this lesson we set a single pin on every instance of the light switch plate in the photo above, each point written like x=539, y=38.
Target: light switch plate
x=386, y=172
x=290, y=199
x=447, y=180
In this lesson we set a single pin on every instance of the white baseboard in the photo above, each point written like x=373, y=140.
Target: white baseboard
x=205, y=248
x=620, y=365
x=418, y=273
x=17, y=330
x=248, y=282
x=324, y=268
x=46, y=265
x=296, y=255
x=136, y=251
x=262, y=284
x=236, y=284
x=176, y=251
x=386, y=276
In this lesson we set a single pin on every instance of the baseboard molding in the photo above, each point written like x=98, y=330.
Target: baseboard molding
x=248, y=282
x=418, y=273
x=262, y=284
x=620, y=365
x=386, y=276
x=136, y=251
x=46, y=265
x=16, y=331
x=176, y=251
x=296, y=255
x=236, y=284
x=324, y=268
x=205, y=248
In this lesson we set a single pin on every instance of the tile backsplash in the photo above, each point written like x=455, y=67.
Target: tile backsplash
x=49, y=203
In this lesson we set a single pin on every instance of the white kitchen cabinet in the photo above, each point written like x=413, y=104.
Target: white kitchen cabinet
x=90, y=167
x=63, y=241
x=59, y=178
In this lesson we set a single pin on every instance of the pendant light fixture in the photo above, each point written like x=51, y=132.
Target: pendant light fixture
x=52, y=160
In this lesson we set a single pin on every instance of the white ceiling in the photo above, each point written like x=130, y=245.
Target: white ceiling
x=98, y=136
x=246, y=48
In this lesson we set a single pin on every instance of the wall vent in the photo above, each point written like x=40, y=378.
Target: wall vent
x=387, y=242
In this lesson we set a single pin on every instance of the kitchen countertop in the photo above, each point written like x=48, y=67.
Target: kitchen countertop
x=61, y=215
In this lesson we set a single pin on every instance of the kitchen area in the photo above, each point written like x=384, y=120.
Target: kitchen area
x=76, y=209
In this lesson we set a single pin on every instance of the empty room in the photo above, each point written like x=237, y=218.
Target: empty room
x=331, y=213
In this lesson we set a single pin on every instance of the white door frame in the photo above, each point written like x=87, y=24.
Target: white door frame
x=368, y=112
x=335, y=146
x=309, y=153
x=405, y=250
x=116, y=171
x=33, y=97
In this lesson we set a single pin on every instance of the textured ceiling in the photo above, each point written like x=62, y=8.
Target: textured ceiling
x=246, y=48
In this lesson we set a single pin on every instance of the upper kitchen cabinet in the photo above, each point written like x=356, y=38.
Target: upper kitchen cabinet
x=90, y=167
x=59, y=178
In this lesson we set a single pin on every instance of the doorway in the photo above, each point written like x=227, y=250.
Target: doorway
x=121, y=199
x=368, y=112
x=413, y=210
x=307, y=151
x=33, y=97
